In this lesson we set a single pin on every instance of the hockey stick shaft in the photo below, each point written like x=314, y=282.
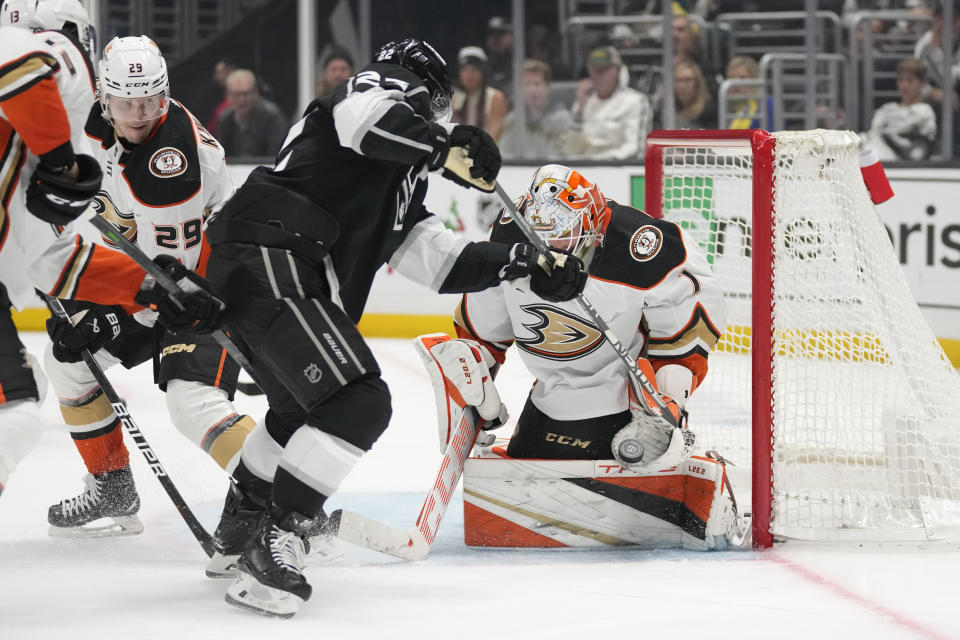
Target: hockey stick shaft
x=415, y=543
x=120, y=408
x=642, y=387
x=165, y=281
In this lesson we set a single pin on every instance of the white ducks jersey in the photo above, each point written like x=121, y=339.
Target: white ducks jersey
x=648, y=281
x=158, y=193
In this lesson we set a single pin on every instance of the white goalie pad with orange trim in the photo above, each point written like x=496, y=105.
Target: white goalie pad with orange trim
x=460, y=375
x=596, y=504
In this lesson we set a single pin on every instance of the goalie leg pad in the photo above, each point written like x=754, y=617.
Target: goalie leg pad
x=595, y=504
x=460, y=376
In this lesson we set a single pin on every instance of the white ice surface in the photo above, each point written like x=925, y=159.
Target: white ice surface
x=153, y=586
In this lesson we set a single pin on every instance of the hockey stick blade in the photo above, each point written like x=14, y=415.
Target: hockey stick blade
x=415, y=542
x=641, y=385
x=120, y=408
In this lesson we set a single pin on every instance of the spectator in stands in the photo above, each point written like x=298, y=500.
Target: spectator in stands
x=686, y=38
x=613, y=119
x=252, y=125
x=475, y=102
x=542, y=45
x=499, y=49
x=694, y=108
x=905, y=130
x=548, y=122
x=220, y=71
x=746, y=110
x=929, y=50
x=337, y=66
x=688, y=45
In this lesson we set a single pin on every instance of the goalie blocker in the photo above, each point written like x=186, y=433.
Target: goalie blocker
x=511, y=502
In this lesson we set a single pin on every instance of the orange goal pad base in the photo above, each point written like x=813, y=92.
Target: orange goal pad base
x=510, y=502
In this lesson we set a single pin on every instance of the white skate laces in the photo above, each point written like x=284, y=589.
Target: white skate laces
x=83, y=502
x=287, y=550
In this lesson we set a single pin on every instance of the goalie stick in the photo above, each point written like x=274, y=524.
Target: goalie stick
x=413, y=543
x=642, y=387
x=120, y=408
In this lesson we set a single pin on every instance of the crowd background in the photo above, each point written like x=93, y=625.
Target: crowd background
x=593, y=79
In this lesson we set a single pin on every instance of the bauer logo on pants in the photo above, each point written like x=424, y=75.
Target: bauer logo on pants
x=168, y=163
x=313, y=373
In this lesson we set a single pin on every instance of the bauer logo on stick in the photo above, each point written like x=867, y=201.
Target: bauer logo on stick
x=646, y=243
x=168, y=163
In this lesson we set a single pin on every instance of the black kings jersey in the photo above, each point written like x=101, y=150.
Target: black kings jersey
x=359, y=157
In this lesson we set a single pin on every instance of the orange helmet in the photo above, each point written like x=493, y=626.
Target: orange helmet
x=566, y=210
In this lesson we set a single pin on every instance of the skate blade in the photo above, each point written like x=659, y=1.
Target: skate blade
x=111, y=527
x=222, y=566
x=247, y=593
x=323, y=550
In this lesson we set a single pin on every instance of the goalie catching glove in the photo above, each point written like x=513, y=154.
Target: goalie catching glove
x=649, y=441
x=467, y=155
x=196, y=308
x=461, y=377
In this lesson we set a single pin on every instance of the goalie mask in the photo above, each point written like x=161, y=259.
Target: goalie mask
x=133, y=86
x=67, y=16
x=423, y=60
x=566, y=210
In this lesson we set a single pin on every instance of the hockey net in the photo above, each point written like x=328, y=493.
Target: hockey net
x=851, y=426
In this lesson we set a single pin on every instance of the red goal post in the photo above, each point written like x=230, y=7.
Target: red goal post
x=828, y=381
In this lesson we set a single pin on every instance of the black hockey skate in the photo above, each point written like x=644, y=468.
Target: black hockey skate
x=271, y=580
x=241, y=516
x=107, y=507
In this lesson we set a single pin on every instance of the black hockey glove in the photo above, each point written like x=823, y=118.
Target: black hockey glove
x=196, y=310
x=559, y=282
x=473, y=160
x=57, y=199
x=90, y=328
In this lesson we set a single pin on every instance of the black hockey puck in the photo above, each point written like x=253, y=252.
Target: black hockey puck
x=631, y=451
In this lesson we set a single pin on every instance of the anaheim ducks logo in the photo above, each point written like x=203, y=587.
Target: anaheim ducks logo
x=125, y=223
x=167, y=163
x=558, y=334
x=645, y=243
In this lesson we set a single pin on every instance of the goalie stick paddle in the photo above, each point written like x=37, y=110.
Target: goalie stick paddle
x=120, y=407
x=415, y=543
x=642, y=387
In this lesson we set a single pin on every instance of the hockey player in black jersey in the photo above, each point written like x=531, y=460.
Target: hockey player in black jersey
x=294, y=254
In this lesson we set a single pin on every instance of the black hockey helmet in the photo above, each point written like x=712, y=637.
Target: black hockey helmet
x=423, y=60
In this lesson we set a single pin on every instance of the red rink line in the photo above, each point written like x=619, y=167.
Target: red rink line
x=878, y=609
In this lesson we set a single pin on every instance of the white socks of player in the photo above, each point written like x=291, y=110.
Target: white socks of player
x=20, y=429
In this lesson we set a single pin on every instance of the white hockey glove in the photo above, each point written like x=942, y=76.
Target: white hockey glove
x=649, y=441
x=460, y=374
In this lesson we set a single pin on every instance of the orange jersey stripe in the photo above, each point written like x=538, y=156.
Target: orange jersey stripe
x=223, y=359
x=110, y=277
x=39, y=117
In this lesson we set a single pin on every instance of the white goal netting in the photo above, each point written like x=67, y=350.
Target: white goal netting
x=866, y=407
